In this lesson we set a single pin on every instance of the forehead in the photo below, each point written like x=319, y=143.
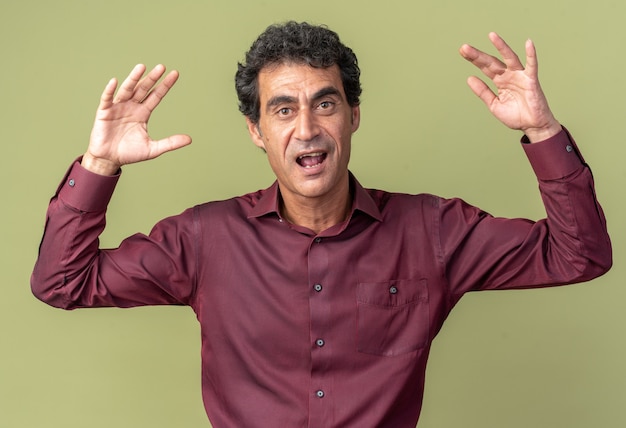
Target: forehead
x=297, y=80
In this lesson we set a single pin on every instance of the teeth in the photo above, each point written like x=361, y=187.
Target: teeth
x=310, y=155
x=316, y=159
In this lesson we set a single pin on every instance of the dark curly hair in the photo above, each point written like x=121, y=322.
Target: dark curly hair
x=300, y=43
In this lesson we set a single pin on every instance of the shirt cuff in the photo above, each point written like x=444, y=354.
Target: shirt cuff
x=554, y=158
x=85, y=190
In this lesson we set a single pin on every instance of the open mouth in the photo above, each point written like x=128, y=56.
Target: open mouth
x=311, y=160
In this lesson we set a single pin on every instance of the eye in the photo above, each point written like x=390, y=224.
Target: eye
x=284, y=111
x=324, y=105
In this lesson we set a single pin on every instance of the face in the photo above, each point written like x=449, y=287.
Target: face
x=305, y=127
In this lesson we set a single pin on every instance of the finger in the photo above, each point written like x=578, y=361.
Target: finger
x=127, y=89
x=156, y=95
x=481, y=90
x=532, y=65
x=173, y=142
x=145, y=85
x=509, y=56
x=106, y=99
x=488, y=64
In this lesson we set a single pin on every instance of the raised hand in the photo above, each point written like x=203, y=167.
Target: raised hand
x=120, y=131
x=519, y=102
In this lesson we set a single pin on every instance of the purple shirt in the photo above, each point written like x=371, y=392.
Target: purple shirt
x=327, y=330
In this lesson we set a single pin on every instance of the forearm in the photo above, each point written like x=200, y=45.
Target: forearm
x=570, y=245
x=575, y=219
x=69, y=246
x=72, y=272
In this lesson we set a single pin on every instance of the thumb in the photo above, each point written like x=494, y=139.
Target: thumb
x=173, y=142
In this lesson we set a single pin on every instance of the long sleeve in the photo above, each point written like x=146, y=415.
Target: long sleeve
x=71, y=271
x=570, y=245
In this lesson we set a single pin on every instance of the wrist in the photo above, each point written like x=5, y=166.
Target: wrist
x=98, y=165
x=536, y=135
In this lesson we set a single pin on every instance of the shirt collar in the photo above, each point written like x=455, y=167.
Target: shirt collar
x=362, y=201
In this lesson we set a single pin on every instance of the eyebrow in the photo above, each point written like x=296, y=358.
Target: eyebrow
x=286, y=99
x=328, y=90
x=280, y=99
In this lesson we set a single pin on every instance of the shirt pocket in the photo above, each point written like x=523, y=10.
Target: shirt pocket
x=392, y=316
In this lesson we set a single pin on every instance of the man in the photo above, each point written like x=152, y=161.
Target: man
x=317, y=299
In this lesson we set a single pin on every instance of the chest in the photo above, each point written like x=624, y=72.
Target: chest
x=373, y=289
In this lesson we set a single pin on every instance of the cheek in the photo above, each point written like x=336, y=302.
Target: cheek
x=276, y=152
x=275, y=135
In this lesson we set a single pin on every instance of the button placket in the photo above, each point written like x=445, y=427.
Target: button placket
x=320, y=278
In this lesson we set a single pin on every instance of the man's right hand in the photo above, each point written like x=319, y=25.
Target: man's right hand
x=120, y=131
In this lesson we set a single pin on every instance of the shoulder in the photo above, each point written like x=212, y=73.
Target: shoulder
x=242, y=206
x=424, y=207
x=397, y=201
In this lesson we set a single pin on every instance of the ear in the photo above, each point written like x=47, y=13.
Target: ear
x=356, y=118
x=255, y=133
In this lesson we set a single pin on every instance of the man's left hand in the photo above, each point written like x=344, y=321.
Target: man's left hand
x=519, y=102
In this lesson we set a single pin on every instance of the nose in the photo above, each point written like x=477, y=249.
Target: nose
x=306, y=127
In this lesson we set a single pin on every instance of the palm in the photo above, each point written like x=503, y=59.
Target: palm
x=120, y=133
x=519, y=102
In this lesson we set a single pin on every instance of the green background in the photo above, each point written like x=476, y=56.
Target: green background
x=543, y=358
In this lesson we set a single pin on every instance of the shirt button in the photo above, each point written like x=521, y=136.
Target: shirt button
x=71, y=182
x=319, y=342
x=569, y=148
x=318, y=240
x=393, y=289
x=319, y=393
x=317, y=287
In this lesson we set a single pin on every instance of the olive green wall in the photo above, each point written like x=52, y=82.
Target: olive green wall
x=546, y=358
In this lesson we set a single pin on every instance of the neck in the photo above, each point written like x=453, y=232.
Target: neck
x=317, y=214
